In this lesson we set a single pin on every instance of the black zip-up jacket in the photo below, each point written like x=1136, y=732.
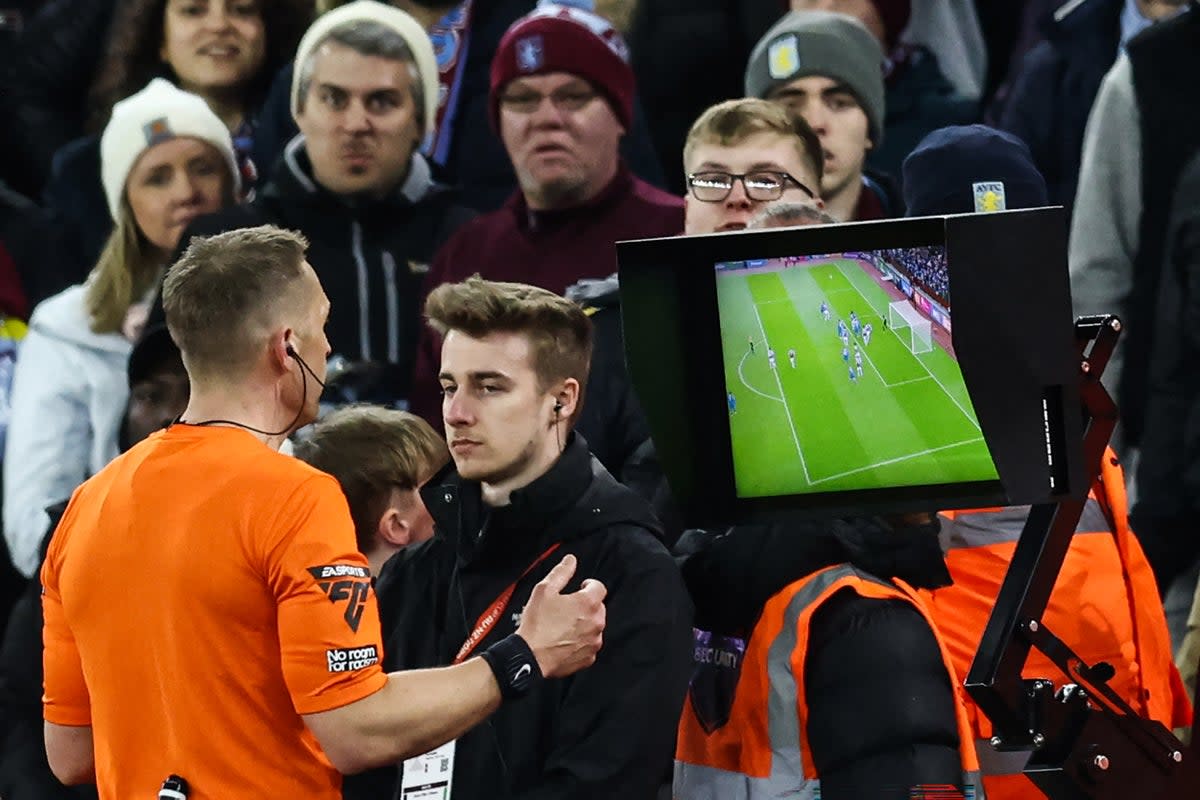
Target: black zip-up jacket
x=371, y=255
x=24, y=771
x=606, y=732
x=1168, y=473
x=45, y=72
x=868, y=660
x=1054, y=91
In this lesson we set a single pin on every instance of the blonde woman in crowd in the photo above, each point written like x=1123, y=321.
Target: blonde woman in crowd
x=166, y=158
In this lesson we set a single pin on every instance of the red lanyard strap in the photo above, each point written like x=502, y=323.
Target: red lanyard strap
x=487, y=620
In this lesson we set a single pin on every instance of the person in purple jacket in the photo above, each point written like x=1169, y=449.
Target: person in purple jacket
x=561, y=98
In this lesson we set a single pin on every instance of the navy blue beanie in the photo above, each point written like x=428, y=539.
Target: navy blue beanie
x=968, y=168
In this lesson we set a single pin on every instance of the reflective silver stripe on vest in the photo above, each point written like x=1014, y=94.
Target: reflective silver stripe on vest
x=697, y=782
x=980, y=528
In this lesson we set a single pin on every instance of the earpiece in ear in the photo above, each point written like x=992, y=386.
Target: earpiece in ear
x=290, y=350
x=558, y=406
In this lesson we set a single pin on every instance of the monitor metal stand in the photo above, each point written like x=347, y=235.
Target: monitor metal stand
x=1086, y=742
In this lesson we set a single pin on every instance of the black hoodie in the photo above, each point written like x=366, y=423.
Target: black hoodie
x=880, y=700
x=607, y=732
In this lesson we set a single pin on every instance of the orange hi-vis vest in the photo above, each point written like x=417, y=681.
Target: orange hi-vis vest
x=762, y=750
x=1105, y=606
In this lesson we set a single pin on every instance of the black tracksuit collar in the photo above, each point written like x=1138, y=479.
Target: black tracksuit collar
x=293, y=177
x=530, y=522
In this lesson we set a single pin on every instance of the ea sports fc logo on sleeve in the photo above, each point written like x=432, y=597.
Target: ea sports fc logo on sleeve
x=345, y=583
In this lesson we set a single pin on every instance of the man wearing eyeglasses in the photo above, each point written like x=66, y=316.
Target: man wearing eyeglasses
x=741, y=155
x=561, y=100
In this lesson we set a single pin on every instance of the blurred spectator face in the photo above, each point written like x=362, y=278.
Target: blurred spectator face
x=840, y=123
x=862, y=10
x=1158, y=9
x=213, y=45
x=561, y=136
x=775, y=172
x=171, y=184
x=156, y=400
x=493, y=405
x=359, y=120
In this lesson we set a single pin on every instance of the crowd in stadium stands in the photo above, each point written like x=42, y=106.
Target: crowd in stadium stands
x=299, y=302
x=925, y=266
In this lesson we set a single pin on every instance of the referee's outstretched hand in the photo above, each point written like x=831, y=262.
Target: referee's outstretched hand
x=564, y=631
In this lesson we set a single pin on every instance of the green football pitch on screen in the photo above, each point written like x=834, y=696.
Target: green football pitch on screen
x=859, y=412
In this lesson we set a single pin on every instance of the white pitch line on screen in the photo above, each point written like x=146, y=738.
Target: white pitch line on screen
x=904, y=383
x=786, y=409
x=746, y=383
x=953, y=399
x=895, y=460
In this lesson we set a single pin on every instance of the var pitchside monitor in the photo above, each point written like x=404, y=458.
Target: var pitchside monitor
x=840, y=374
x=924, y=363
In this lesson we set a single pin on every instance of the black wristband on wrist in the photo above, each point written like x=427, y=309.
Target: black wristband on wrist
x=514, y=666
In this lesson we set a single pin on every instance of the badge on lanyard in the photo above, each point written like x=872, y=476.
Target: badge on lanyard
x=429, y=775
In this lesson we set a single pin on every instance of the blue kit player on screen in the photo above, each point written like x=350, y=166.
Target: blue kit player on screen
x=853, y=376
x=771, y=357
x=731, y=398
x=846, y=353
x=841, y=328
x=825, y=311
x=855, y=324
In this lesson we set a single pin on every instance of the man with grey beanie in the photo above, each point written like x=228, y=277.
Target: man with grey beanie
x=827, y=67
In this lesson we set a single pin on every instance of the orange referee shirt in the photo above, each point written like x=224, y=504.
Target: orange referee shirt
x=201, y=593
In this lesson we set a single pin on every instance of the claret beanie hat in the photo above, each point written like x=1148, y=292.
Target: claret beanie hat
x=836, y=46
x=565, y=37
x=388, y=16
x=971, y=168
x=158, y=113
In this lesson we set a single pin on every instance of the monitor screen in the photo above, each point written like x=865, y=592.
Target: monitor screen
x=897, y=365
x=840, y=373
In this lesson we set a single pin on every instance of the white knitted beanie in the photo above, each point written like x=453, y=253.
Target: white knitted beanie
x=157, y=113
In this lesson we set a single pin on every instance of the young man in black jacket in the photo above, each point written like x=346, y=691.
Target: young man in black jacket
x=523, y=492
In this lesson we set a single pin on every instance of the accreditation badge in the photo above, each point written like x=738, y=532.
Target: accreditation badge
x=429, y=775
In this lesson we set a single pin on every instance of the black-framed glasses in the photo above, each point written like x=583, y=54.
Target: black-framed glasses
x=566, y=99
x=714, y=187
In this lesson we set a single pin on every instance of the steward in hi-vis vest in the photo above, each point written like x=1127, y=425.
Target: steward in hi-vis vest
x=813, y=676
x=1105, y=606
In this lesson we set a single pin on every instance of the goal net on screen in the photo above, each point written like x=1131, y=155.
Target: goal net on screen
x=912, y=328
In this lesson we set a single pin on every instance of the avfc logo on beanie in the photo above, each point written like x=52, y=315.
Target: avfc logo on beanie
x=989, y=196
x=531, y=53
x=783, y=57
x=157, y=130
